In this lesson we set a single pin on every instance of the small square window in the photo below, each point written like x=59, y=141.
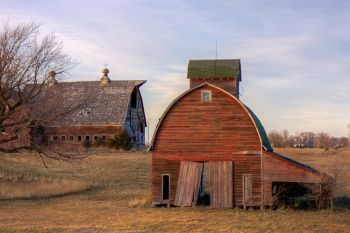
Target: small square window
x=87, y=138
x=63, y=138
x=95, y=138
x=71, y=138
x=55, y=138
x=104, y=138
x=206, y=96
x=79, y=138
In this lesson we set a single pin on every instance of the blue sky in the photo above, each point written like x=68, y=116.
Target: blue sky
x=295, y=55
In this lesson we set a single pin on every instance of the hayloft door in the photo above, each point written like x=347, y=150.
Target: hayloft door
x=221, y=184
x=188, y=183
x=247, y=190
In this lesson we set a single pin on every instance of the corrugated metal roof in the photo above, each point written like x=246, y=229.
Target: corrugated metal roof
x=214, y=69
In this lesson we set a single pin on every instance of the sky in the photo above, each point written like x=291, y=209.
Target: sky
x=295, y=55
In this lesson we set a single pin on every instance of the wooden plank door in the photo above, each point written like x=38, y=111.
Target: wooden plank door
x=188, y=183
x=221, y=184
x=247, y=190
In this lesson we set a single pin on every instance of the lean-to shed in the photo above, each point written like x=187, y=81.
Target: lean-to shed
x=207, y=142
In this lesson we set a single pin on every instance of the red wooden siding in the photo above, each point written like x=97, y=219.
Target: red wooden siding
x=84, y=130
x=219, y=130
x=279, y=170
x=160, y=167
x=230, y=85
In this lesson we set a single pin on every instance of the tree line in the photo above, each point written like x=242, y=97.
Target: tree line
x=306, y=139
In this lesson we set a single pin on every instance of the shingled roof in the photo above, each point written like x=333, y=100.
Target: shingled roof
x=214, y=69
x=105, y=104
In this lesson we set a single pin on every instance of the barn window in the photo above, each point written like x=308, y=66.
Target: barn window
x=71, y=138
x=63, y=138
x=206, y=96
x=2, y=129
x=55, y=138
x=95, y=138
x=165, y=186
x=87, y=138
x=104, y=138
x=79, y=138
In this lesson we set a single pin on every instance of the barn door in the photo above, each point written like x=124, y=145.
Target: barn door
x=247, y=190
x=188, y=183
x=221, y=185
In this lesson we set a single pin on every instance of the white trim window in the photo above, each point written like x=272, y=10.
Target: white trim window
x=206, y=96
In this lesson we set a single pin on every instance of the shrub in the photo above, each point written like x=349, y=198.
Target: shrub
x=125, y=140
x=114, y=143
x=99, y=142
x=300, y=202
x=121, y=141
x=86, y=144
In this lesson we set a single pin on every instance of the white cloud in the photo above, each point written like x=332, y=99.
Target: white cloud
x=295, y=63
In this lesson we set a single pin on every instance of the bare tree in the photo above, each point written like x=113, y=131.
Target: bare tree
x=276, y=139
x=285, y=135
x=26, y=60
x=323, y=192
x=323, y=140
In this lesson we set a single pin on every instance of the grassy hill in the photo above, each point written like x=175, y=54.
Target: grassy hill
x=111, y=192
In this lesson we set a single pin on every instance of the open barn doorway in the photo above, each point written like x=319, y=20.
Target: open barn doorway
x=207, y=183
x=204, y=189
x=290, y=195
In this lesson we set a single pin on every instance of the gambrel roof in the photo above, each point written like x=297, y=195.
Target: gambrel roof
x=103, y=104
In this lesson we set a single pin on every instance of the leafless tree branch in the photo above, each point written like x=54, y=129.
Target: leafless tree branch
x=26, y=102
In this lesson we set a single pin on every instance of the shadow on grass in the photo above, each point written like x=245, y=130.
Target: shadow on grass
x=91, y=189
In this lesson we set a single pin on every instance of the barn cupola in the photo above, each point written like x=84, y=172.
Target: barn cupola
x=224, y=73
x=105, y=79
x=52, y=78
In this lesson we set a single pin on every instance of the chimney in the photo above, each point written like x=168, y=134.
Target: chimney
x=104, y=79
x=52, y=78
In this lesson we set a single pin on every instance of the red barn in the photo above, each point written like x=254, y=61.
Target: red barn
x=208, y=142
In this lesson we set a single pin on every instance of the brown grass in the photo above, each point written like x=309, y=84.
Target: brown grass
x=119, y=202
x=40, y=189
x=141, y=201
x=334, y=162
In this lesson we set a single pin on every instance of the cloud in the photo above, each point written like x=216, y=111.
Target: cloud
x=295, y=54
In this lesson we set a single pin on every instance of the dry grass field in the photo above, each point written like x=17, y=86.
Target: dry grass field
x=110, y=193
